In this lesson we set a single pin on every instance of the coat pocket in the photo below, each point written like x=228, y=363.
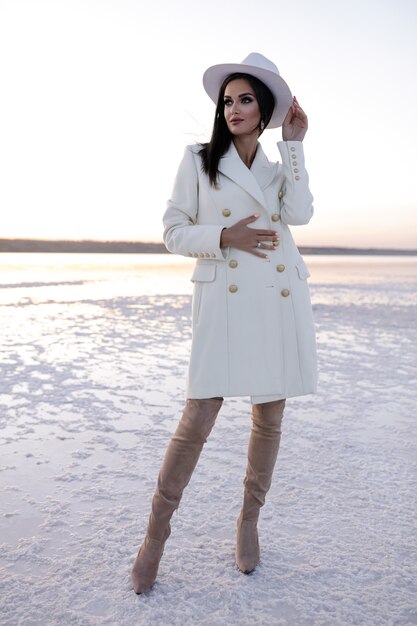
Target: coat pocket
x=204, y=273
x=302, y=269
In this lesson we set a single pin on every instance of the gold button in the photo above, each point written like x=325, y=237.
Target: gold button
x=294, y=163
x=207, y=255
x=296, y=170
x=293, y=156
x=226, y=212
x=292, y=149
x=233, y=288
x=233, y=263
x=213, y=255
x=285, y=293
x=297, y=177
x=281, y=193
x=280, y=267
x=201, y=255
x=275, y=217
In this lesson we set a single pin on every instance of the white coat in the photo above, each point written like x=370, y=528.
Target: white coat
x=252, y=323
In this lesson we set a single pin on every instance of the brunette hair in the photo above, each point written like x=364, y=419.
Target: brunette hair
x=221, y=137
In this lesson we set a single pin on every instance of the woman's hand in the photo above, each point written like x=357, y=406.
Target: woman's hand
x=295, y=125
x=251, y=240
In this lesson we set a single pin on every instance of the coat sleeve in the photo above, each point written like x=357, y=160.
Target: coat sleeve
x=182, y=233
x=297, y=204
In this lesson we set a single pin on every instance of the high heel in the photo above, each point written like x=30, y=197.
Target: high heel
x=247, y=545
x=145, y=567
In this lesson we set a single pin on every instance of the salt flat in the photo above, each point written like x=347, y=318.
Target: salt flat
x=90, y=392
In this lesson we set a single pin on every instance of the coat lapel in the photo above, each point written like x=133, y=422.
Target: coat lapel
x=251, y=180
x=262, y=169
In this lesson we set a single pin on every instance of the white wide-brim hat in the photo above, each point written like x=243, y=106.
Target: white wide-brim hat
x=262, y=68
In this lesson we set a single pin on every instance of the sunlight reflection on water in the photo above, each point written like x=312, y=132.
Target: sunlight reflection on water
x=34, y=278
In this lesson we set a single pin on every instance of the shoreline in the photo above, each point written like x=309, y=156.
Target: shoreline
x=138, y=247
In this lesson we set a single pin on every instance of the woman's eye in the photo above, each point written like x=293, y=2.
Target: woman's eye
x=227, y=103
x=246, y=100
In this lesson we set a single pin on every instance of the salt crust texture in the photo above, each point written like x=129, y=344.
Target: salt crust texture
x=90, y=392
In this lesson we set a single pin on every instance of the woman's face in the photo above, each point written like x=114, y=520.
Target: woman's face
x=241, y=109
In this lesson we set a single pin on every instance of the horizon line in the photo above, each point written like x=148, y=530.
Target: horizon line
x=124, y=246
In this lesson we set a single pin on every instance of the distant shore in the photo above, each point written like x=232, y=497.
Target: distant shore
x=139, y=247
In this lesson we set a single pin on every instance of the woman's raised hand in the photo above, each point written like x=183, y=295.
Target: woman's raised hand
x=251, y=240
x=295, y=124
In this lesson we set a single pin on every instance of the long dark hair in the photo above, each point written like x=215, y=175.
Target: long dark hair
x=221, y=137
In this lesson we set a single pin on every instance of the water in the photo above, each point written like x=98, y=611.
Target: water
x=36, y=278
x=94, y=352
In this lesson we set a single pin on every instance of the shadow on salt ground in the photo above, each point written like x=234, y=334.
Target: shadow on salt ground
x=90, y=394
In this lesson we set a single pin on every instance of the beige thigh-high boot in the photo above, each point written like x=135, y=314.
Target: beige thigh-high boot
x=262, y=454
x=180, y=460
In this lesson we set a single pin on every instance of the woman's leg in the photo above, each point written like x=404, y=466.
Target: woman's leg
x=262, y=454
x=180, y=460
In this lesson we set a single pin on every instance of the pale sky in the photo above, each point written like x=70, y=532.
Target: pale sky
x=99, y=98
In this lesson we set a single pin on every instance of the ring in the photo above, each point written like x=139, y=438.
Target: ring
x=258, y=245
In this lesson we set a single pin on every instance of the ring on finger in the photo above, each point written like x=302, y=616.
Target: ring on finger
x=258, y=244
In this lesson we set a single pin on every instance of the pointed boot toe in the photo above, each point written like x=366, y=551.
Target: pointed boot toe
x=247, y=548
x=145, y=567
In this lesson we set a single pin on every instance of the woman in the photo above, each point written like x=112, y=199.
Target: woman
x=253, y=331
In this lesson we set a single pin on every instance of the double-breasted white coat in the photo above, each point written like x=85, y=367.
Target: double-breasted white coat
x=252, y=322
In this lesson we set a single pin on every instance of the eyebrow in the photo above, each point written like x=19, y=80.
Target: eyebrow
x=247, y=93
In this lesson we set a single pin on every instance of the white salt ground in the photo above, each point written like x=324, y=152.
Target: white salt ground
x=90, y=393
